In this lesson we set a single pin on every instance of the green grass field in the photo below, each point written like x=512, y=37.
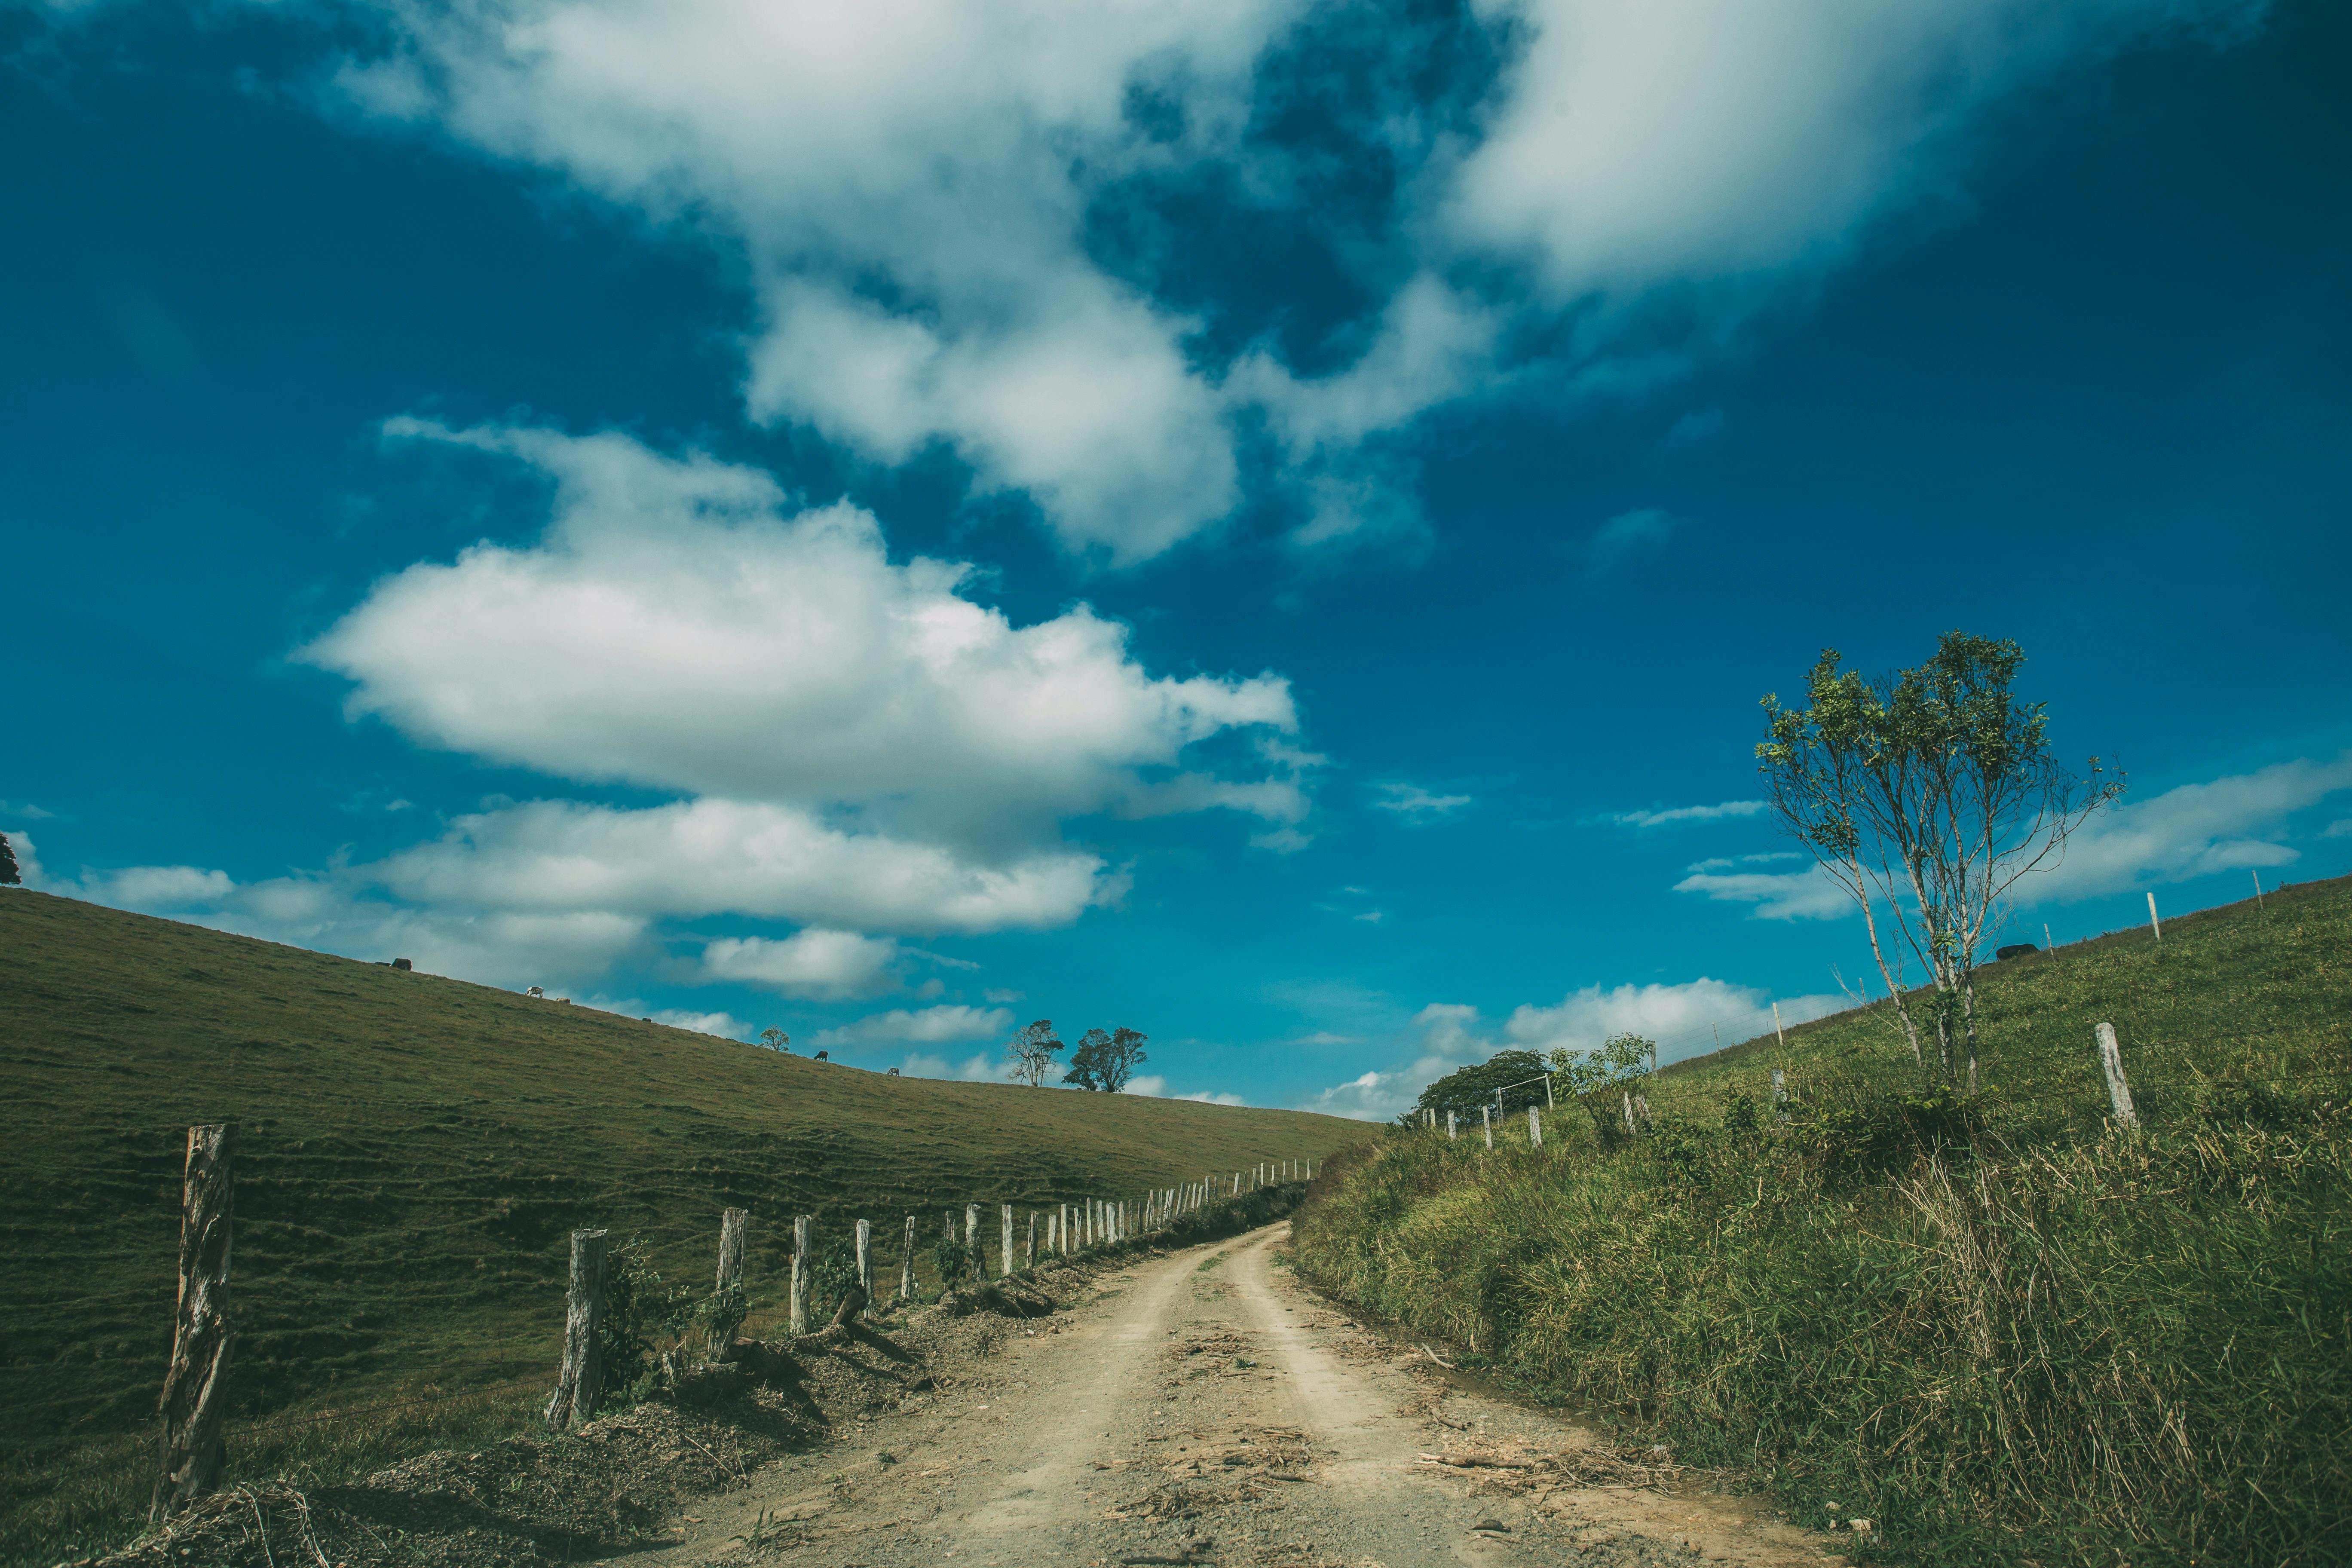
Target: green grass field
x=2006, y=1334
x=414, y=1154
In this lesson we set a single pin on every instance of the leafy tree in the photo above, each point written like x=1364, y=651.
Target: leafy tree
x=1927, y=794
x=1462, y=1091
x=1106, y=1060
x=10, y=877
x=1033, y=1051
x=1598, y=1081
x=775, y=1040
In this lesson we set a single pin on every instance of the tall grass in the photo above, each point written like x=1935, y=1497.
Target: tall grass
x=2132, y=1348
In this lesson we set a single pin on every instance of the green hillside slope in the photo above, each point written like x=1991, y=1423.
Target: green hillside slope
x=2264, y=984
x=414, y=1151
x=2003, y=1333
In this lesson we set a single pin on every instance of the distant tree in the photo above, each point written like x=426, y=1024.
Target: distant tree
x=1106, y=1060
x=1599, y=1080
x=775, y=1040
x=1463, y=1091
x=1928, y=794
x=10, y=877
x=1033, y=1051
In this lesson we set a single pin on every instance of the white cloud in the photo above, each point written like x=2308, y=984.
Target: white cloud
x=994, y=994
x=908, y=183
x=1729, y=810
x=814, y=962
x=725, y=1025
x=1151, y=1086
x=981, y=1068
x=1807, y=895
x=1416, y=803
x=2339, y=828
x=1219, y=1096
x=1697, y=141
x=943, y=1025
x=24, y=811
x=679, y=628
x=706, y=856
x=1371, y=1097
x=1627, y=534
x=1687, y=1019
x=2194, y=830
x=910, y=187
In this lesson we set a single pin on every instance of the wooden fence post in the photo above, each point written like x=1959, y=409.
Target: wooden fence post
x=1627, y=1095
x=865, y=1265
x=978, y=1259
x=800, y=1268
x=2111, y=1058
x=727, y=1312
x=1451, y=1135
x=1004, y=1247
x=1776, y=1028
x=576, y=1385
x=1486, y=1117
x=907, y=1264
x=2153, y=923
x=1780, y=1094
x=194, y=1401
x=1535, y=1128
x=1032, y=1254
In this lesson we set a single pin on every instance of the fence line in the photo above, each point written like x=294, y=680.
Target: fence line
x=201, y=1372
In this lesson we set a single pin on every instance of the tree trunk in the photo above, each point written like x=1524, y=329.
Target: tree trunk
x=583, y=1374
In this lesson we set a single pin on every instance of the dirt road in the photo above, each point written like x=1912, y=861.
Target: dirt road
x=1205, y=1408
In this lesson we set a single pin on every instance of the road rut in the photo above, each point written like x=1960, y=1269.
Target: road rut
x=1204, y=1407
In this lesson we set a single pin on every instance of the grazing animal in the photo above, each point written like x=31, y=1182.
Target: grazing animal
x=2017, y=950
x=822, y=1056
x=894, y=1072
x=537, y=991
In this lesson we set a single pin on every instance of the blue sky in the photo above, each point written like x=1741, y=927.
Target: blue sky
x=1266, y=524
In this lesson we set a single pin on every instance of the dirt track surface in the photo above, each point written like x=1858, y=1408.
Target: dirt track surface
x=1205, y=1408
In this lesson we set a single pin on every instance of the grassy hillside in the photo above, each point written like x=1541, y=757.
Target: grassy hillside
x=414, y=1152
x=2006, y=1334
x=2265, y=987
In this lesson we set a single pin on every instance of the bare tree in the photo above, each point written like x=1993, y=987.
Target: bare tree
x=1033, y=1051
x=1928, y=794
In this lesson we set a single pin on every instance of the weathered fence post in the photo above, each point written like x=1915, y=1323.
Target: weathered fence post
x=1449, y=1134
x=907, y=1264
x=2153, y=923
x=194, y=1401
x=1486, y=1120
x=1780, y=1094
x=1642, y=1113
x=575, y=1400
x=727, y=1307
x=1031, y=1255
x=1004, y=1247
x=1627, y=1095
x=2111, y=1058
x=976, y=1260
x=1776, y=1026
x=1535, y=1128
x=800, y=1268
x=865, y=1265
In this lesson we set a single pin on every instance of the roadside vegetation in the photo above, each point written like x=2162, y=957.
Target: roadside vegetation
x=1997, y=1327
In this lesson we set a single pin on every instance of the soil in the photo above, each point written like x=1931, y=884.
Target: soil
x=1200, y=1407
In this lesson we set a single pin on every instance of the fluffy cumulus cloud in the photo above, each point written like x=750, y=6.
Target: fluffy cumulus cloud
x=948, y=1024
x=920, y=191
x=2230, y=824
x=680, y=627
x=1685, y=1019
x=813, y=963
